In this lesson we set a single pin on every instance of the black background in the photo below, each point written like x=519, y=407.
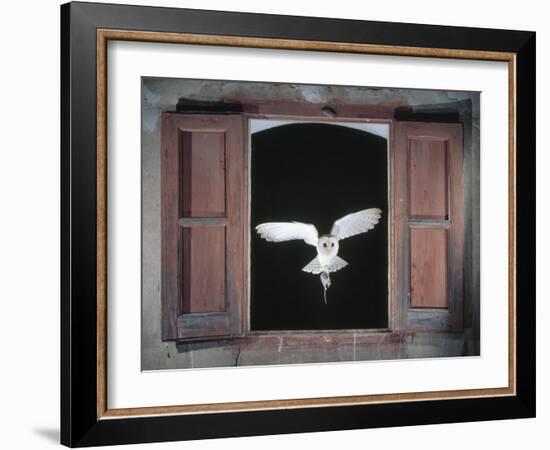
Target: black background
x=317, y=173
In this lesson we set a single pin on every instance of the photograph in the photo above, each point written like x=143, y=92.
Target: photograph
x=277, y=224
x=292, y=223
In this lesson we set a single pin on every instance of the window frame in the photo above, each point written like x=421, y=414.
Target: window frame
x=277, y=112
x=399, y=329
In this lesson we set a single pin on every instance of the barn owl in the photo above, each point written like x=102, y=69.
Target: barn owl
x=327, y=259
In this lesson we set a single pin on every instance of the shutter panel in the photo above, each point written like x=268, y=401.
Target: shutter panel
x=429, y=215
x=202, y=214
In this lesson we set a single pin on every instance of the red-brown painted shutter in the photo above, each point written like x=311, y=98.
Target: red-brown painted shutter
x=429, y=224
x=202, y=210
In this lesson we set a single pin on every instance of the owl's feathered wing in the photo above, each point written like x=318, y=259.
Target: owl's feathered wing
x=356, y=223
x=288, y=231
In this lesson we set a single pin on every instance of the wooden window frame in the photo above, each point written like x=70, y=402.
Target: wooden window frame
x=316, y=114
x=401, y=320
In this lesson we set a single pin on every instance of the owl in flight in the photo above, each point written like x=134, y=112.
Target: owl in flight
x=327, y=259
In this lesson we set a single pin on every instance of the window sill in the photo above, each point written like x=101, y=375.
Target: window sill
x=312, y=338
x=284, y=348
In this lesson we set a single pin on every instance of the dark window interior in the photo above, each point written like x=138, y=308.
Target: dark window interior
x=317, y=173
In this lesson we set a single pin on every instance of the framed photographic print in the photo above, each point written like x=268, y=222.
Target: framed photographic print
x=277, y=224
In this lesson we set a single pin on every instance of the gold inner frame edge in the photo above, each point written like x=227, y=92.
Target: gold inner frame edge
x=103, y=36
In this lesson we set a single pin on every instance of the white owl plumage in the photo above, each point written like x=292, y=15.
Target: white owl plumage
x=327, y=259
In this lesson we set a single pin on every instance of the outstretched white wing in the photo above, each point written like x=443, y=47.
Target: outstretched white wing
x=288, y=231
x=356, y=223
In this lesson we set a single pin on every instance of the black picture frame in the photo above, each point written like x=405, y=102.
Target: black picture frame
x=80, y=425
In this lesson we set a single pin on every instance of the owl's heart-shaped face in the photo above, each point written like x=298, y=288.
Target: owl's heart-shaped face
x=327, y=245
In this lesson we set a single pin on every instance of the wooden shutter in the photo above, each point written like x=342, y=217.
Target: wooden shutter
x=429, y=225
x=202, y=219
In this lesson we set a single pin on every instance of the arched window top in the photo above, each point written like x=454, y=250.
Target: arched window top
x=378, y=129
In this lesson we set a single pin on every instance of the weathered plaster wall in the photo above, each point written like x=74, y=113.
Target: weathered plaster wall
x=160, y=95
